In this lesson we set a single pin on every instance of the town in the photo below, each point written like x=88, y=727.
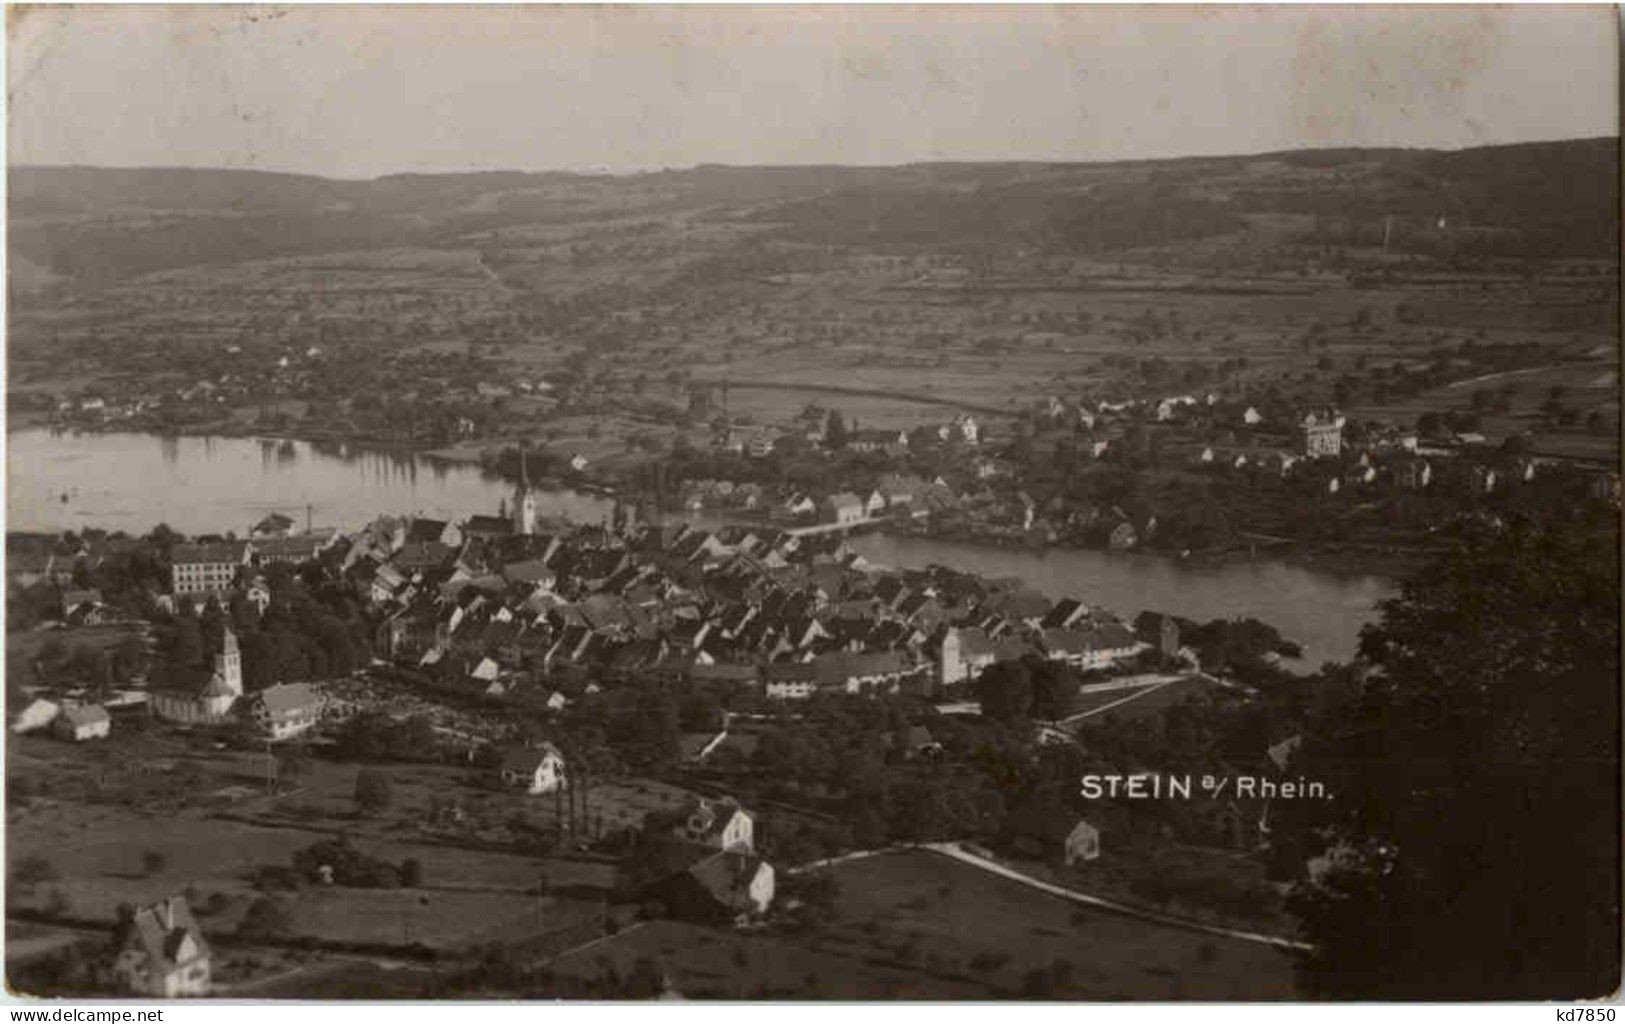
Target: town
x=672, y=725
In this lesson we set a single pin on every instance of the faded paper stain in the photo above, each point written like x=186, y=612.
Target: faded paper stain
x=1354, y=69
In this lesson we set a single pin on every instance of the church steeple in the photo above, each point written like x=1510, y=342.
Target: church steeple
x=228, y=664
x=524, y=500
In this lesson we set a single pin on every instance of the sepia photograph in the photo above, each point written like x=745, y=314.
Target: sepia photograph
x=812, y=502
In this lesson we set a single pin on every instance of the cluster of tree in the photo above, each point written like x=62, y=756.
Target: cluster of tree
x=1029, y=688
x=312, y=629
x=1488, y=725
x=338, y=861
x=97, y=667
x=1229, y=643
x=375, y=736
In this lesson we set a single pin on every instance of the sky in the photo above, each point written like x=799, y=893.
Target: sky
x=360, y=91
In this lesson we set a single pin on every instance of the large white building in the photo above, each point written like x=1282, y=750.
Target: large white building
x=198, y=570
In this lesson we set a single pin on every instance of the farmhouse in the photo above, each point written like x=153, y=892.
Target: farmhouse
x=723, y=888
x=1082, y=843
x=161, y=952
x=719, y=824
x=533, y=769
x=73, y=600
x=87, y=722
x=37, y=715
x=283, y=711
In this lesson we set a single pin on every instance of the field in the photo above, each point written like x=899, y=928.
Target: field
x=114, y=847
x=918, y=925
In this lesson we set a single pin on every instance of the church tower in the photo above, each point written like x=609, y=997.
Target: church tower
x=228, y=664
x=524, y=501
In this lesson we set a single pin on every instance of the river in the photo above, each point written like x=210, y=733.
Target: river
x=132, y=482
x=1322, y=611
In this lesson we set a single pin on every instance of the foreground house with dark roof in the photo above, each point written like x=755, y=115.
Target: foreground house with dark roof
x=161, y=952
x=86, y=722
x=724, y=888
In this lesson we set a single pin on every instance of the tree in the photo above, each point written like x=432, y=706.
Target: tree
x=1487, y=728
x=656, y=731
x=1053, y=687
x=411, y=872
x=153, y=861
x=188, y=649
x=1005, y=690
x=373, y=792
x=834, y=431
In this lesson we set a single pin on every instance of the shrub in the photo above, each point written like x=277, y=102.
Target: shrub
x=411, y=872
x=265, y=917
x=153, y=861
x=348, y=865
x=276, y=877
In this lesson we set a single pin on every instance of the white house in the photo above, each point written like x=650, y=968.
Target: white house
x=258, y=594
x=161, y=952
x=534, y=769
x=284, y=711
x=963, y=655
x=722, y=824
x=37, y=715
x=1082, y=843
x=88, y=722
x=842, y=508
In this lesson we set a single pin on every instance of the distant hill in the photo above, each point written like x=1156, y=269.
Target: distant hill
x=95, y=225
